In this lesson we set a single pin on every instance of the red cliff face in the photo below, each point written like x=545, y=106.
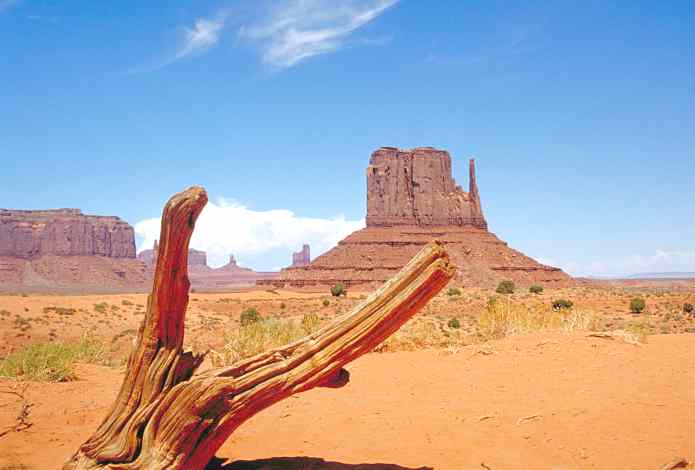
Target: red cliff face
x=415, y=187
x=63, y=232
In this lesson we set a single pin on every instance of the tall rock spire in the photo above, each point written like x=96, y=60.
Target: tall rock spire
x=477, y=208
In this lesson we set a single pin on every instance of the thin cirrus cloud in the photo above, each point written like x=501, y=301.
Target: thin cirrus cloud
x=296, y=30
x=204, y=34
x=228, y=227
x=201, y=37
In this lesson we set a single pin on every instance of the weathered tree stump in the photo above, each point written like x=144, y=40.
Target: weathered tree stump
x=166, y=418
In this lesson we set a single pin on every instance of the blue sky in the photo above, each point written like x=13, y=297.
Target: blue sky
x=580, y=115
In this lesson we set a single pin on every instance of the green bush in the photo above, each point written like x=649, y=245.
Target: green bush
x=637, y=305
x=454, y=323
x=326, y=302
x=250, y=316
x=453, y=291
x=688, y=308
x=562, y=304
x=126, y=302
x=101, y=307
x=535, y=289
x=338, y=290
x=505, y=287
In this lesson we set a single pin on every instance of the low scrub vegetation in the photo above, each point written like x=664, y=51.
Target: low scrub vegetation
x=504, y=318
x=338, y=289
x=562, y=304
x=637, y=305
x=53, y=361
x=453, y=291
x=254, y=337
x=536, y=289
x=505, y=287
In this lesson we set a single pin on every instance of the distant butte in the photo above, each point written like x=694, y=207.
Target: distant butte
x=412, y=198
x=64, y=249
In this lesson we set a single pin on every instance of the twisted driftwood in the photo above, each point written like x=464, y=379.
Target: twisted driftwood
x=167, y=418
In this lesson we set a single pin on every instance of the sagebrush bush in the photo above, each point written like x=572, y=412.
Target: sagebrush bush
x=101, y=307
x=53, y=361
x=338, y=289
x=454, y=323
x=505, y=287
x=637, y=305
x=535, y=289
x=451, y=291
x=249, y=316
x=562, y=304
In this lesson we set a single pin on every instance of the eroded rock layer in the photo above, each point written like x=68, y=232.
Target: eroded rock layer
x=412, y=199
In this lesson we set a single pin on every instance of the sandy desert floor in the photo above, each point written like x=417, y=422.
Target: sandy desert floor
x=546, y=400
x=550, y=401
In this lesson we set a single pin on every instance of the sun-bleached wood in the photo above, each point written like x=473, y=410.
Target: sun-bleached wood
x=167, y=418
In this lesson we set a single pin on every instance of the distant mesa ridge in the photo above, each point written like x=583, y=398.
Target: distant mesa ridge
x=58, y=249
x=412, y=198
x=64, y=232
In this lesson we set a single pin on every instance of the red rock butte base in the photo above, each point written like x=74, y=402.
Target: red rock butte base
x=412, y=199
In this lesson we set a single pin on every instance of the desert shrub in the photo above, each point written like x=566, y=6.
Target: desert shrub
x=53, y=361
x=562, y=304
x=338, y=289
x=326, y=302
x=637, y=305
x=502, y=319
x=255, y=337
x=454, y=323
x=283, y=305
x=249, y=316
x=535, y=289
x=451, y=291
x=423, y=332
x=126, y=302
x=310, y=323
x=505, y=287
x=60, y=310
x=101, y=307
x=688, y=308
x=640, y=329
x=5, y=313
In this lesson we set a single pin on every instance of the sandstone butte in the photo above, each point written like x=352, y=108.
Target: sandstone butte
x=64, y=248
x=412, y=198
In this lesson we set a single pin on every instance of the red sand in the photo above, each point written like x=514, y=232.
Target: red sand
x=591, y=404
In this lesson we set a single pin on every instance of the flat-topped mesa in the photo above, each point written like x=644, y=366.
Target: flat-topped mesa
x=64, y=232
x=415, y=187
x=303, y=257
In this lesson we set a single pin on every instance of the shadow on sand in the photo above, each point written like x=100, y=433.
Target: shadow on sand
x=301, y=463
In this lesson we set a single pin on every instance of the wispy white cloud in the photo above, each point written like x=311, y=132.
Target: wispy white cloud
x=195, y=40
x=201, y=37
x=658, y=262
x=295, y=30
x=228, y=227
